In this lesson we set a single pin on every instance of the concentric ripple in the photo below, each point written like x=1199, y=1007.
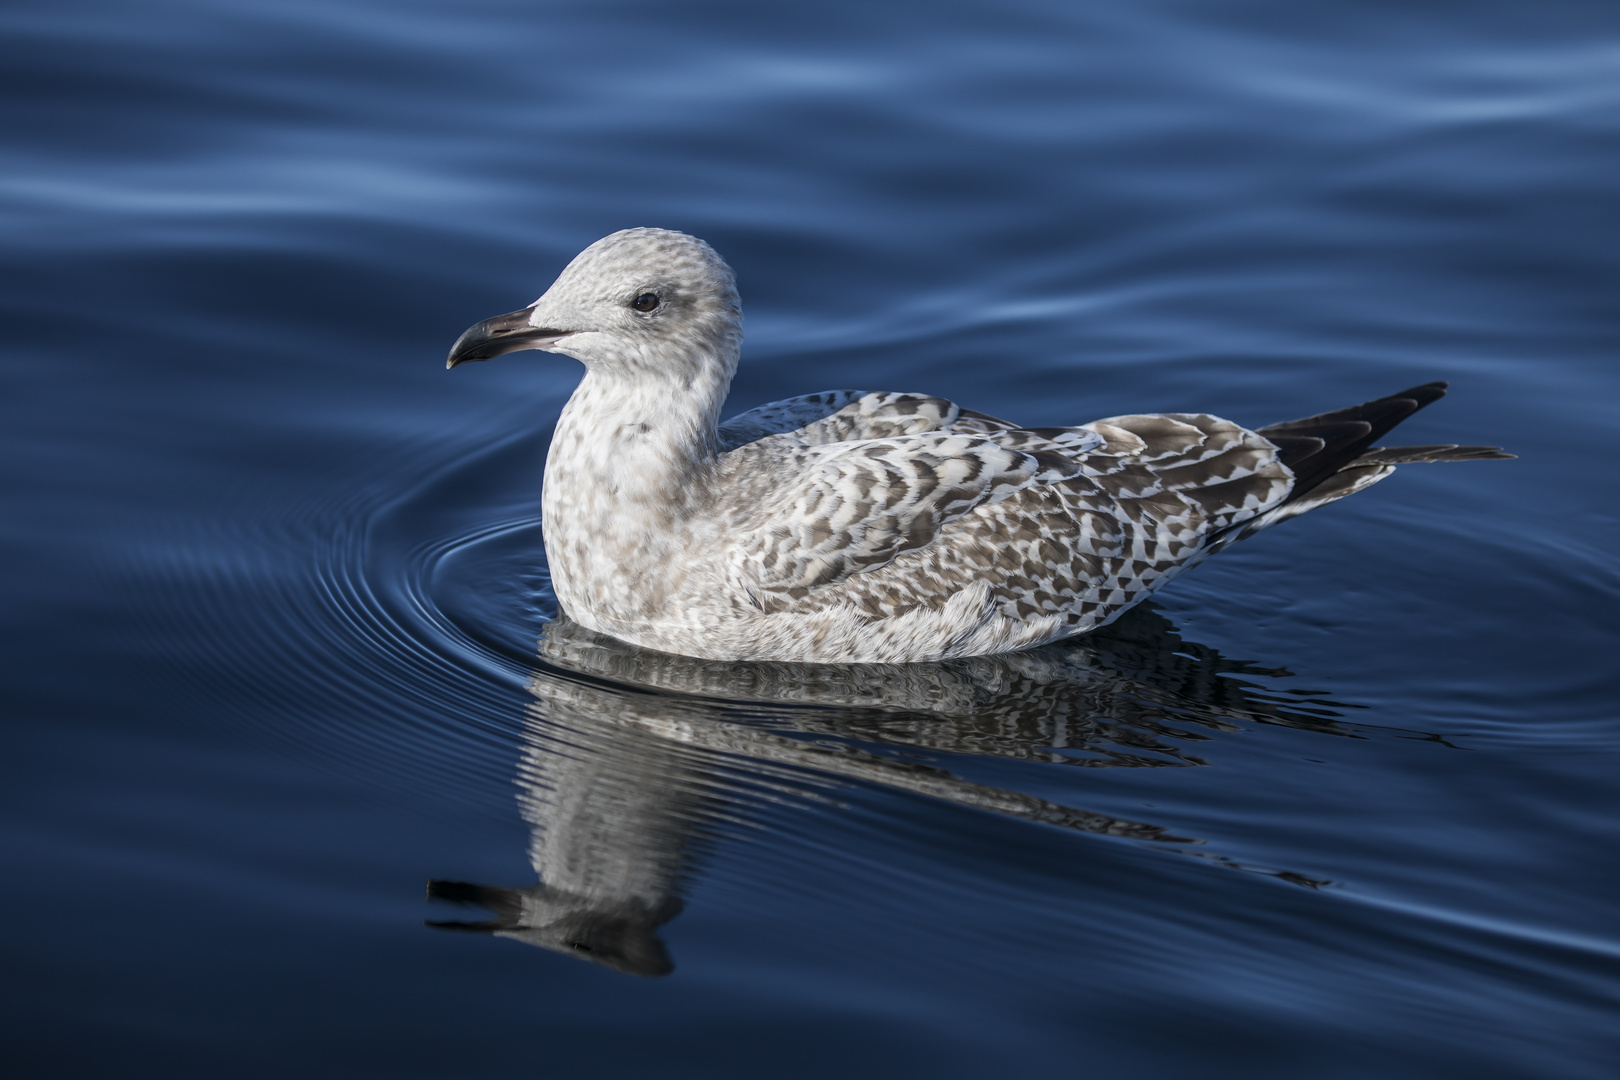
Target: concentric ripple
x=430, y=657
x=414, y=630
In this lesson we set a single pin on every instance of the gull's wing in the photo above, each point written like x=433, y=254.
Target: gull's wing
x=1081, y=520
x=853, y=506
x=1060, y=529
x=862, y=478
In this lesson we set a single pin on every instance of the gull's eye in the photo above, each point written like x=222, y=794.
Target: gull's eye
x=645, y=302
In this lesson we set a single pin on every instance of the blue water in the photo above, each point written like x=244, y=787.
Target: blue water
x=1344, y=802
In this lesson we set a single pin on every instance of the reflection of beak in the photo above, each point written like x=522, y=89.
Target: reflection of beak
x=502, y=334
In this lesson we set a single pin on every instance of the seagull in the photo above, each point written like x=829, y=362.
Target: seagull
x=855, y=526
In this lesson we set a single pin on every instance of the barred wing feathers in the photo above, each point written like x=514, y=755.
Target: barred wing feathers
x=860, y=504
x=904, y=500
x=1055, y=519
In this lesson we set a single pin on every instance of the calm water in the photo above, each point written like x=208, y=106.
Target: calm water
x=1345, y=801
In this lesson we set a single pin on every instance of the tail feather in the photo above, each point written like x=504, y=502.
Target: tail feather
x=1417, y=397
x=1405, y=455
x=1346, y=434
x=1332, y=455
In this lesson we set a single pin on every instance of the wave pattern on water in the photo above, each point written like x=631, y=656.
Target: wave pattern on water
x=281, y=647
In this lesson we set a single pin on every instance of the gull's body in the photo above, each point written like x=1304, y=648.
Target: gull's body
x=875, y=527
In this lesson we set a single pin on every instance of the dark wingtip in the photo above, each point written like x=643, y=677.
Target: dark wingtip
x=457, y=892
x=1347, y=433
x=1427, y=394
x=464, y=927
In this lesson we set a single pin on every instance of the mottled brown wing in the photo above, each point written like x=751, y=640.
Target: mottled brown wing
x=1147, y=495
x=856, y=505
x=1145, y=507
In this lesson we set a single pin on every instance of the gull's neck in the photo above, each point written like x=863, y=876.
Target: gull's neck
x=626, y=480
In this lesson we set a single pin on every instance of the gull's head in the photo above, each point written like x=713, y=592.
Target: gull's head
x=640, y=300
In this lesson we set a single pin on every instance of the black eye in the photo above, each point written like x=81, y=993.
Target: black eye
x=645, y=302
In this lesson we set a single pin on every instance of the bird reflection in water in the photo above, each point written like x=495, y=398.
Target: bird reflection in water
x=634, y=756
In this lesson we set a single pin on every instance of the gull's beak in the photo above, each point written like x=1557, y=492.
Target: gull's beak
x=502, y=334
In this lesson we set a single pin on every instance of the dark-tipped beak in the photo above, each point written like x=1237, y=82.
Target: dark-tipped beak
x=502, y=334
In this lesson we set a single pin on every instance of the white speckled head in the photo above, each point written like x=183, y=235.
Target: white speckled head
x=637, y=301
x=643, y=298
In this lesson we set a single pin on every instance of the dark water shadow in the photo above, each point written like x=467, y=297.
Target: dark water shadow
x=634, y=759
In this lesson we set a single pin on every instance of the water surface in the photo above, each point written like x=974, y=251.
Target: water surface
x=281, y=653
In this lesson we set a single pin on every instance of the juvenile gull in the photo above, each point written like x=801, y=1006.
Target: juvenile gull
x=872, y=527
